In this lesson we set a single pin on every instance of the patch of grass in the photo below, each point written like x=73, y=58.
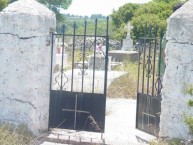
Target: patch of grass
x=189, y=90
x=172, y=141
x=130, y=67
x=122, y=87
x=15, y=135
x=126, y=85
x=188, y=119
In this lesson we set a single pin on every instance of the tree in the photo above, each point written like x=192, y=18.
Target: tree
x=153, y=14
x=55, y=6
x=57, y=3
x=121, y=17
x=124, y=14
x=3, y=4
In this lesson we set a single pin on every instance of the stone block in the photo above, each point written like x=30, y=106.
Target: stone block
x=25, y=62
x=178, y=76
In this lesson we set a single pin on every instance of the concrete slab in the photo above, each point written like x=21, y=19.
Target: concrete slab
x=120, y=55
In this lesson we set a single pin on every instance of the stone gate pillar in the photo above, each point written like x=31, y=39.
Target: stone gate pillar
x=25, y=58
x=178, y=77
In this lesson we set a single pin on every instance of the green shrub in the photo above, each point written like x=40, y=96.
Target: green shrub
x=188, y=119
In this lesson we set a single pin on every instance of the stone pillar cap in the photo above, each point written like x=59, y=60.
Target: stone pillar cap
x=27, y=6
x=27, y=18
x=180, y=24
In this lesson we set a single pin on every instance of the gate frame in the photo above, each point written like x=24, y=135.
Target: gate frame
x=82, y=92
x=153, y=98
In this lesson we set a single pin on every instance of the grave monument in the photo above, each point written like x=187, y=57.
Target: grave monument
x=99, y=60
x=127, y=52
x=128, y=42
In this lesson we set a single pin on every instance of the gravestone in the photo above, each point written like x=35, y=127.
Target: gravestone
x=99, y=61
x=128, y=42
x=25, y=64
x=127, y=53
x=178, y=76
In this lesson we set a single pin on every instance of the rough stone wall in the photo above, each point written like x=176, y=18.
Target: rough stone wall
x=25, y=52
x=178, y=75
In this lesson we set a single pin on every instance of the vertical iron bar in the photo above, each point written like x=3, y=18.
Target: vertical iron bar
x=94, y=56
x=140, y=49
x=62, y=67
x=85, y=24
x=144, y=53
x=73, y=49
x=159, y=68
x=106, y=57
x=149, y=59
x=75, y=109
x=52, y=48
x=154, y=60
x=148, y=77
x=106, y=63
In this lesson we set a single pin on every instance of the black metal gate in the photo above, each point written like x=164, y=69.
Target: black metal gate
x=150, y=71
x=79, y=79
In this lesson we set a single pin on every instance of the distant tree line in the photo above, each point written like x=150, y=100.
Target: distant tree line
x=93, y=16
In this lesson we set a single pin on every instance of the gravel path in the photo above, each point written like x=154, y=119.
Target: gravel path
x=120, y=123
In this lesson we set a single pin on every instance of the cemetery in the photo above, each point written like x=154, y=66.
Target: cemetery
x=67, y=87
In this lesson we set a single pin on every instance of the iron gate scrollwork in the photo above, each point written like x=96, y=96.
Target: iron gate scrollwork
x=79, y=80
x=150, y=73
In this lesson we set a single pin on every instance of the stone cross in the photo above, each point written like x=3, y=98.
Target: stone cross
x=129, y=28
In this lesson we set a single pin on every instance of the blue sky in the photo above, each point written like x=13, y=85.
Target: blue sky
x=105, y=7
